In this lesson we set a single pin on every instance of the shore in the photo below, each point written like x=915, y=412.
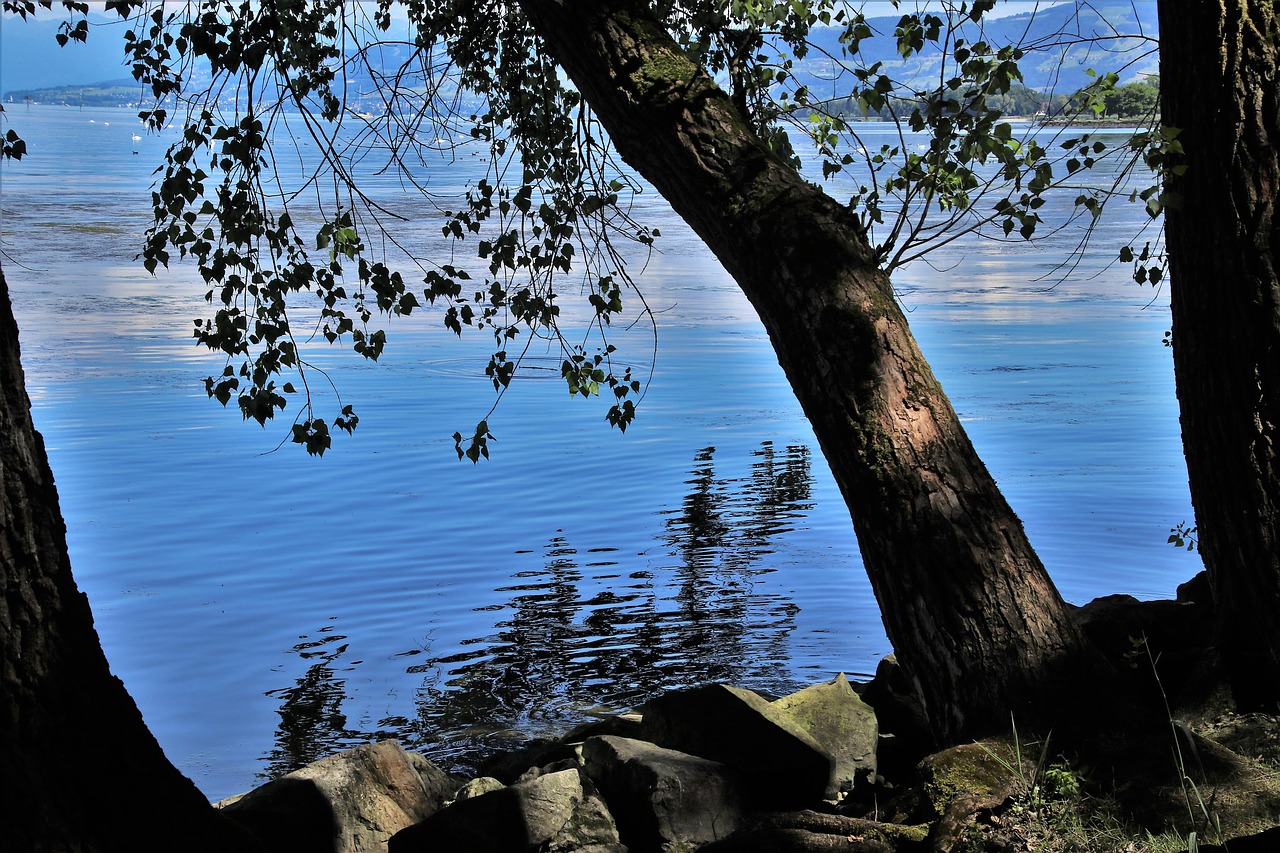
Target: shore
x=833, y=766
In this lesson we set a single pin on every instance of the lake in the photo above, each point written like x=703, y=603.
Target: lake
x=266, y=608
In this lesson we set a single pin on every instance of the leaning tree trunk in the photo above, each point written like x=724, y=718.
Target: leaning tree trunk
x=967, y=604
x=1220, y=83
x=78, y=768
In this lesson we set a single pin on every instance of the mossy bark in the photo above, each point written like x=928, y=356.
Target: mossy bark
x=966, y=602
x=1220, y=76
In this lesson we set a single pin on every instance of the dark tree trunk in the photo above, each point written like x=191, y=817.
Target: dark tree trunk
x=1220, y=84
x=78, y=769
x=966, y=602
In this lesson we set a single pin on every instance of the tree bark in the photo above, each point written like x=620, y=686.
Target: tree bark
x=1221, y=85
x=967, y=604
x=80, y=770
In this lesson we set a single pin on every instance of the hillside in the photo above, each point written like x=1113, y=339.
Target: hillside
x=110, y=93
x=1106, y=36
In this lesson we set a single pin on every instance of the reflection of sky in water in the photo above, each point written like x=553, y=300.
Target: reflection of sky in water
x=578, y=569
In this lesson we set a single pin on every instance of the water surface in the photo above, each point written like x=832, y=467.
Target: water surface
x=265, y=608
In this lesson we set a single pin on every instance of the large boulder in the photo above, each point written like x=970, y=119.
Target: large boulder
x=663, y=799
x=786, y=767
x=957, y=784
x=347, y=803
x=837, y=718
x=904, y=726
x=1178, y=637
x=551, y=812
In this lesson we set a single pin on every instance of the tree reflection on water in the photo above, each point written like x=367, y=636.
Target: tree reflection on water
x=583, y=634
x=595, y=631
x=311, y=720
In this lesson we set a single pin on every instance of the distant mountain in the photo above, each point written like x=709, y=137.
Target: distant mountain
x=109, y=93
x=1103, y=36
x=31, y=59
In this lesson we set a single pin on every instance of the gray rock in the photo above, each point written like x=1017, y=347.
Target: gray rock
x=787, y=767
x=347, y=803
x=837, y=718
x=663, y=799
x=904, y=725
x=478, y=786
x=571, y=763
x=955, y=785
x=550, y=812
x=619, y=725
x=508, y=765
x=590, y=830
x=511, y=765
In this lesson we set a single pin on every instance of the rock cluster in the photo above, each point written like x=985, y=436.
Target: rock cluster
x=713, y=767
x=721, y=769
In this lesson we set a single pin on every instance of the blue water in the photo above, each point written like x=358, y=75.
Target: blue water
x=265, y=608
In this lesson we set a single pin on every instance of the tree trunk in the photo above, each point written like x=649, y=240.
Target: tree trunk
x=1221, y=85
x=80, y=771
x=966, y=602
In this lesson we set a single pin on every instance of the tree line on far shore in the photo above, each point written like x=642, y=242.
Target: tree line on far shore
x=1138, y=99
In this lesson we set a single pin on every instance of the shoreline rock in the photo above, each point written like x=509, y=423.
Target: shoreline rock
x=713, y=768
x=353, y=801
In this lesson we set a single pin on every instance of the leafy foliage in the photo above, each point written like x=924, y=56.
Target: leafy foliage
x=319, y=259
x=551, y=208
x=974, y=174
x=1161, y=152
x=1183, y=536
x=26, y=8
x=12, y=146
